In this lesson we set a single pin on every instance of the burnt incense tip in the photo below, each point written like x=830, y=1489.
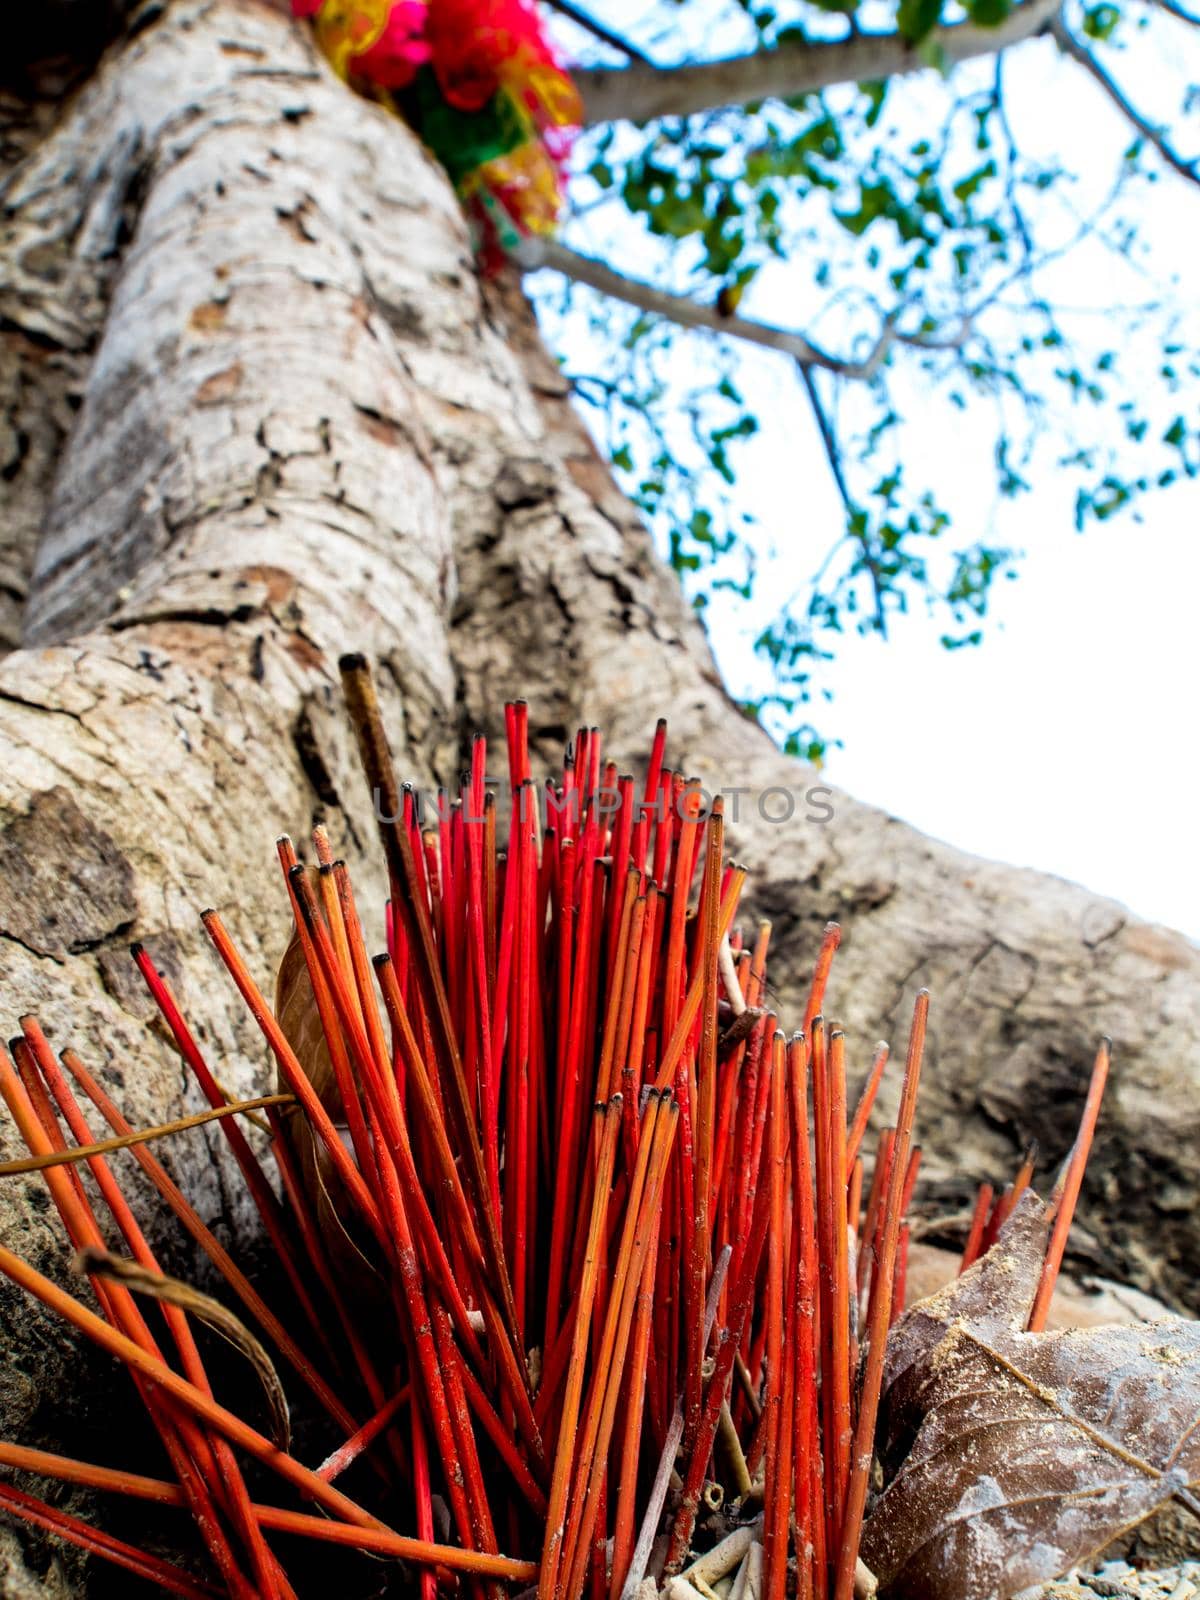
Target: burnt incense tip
x=352, y=661
x=208, y=914
x=1106, y=1043
x=136, y=949
x=326, y=869
x=383, y=959
x=297, y=872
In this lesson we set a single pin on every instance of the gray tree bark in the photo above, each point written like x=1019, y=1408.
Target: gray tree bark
x=257, y=409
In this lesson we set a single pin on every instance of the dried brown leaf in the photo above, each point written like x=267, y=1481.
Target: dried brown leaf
x=1034, y=1451
x=101, y=1263
x=993, y=1296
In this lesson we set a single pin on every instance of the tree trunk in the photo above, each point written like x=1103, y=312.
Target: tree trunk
x=258, y=410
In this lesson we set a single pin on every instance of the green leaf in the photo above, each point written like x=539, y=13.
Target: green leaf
x=918, y=18
x=876, y=94
x=1100, y=22
x=875, y=199
x=989, y=13
x=966, y=187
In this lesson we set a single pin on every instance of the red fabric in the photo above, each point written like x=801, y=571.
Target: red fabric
x=480, y=51
x=393, y=60
x=472, y=40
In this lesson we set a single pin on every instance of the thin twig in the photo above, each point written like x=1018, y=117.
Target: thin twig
x=1153, y=134
x=98, y=1263
x=598, y=30
x=833, y=455
x=104, y=1147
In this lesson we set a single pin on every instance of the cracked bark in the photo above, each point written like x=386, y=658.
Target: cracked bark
x=272, y=415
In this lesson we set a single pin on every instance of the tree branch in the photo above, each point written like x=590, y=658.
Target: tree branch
x=1078, y=51
x=536, y=253
x=1180, y=13
x=589, y=24
x=828, y=438
x=640, y=93
x=833, y=455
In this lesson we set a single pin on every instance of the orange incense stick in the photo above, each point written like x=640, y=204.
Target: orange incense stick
x=845, y=1558
x=1070, y=1184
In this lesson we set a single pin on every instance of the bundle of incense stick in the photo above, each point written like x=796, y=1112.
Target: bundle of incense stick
x=572, y=1231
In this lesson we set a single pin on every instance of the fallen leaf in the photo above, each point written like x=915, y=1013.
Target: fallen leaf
x=1085, y=1301
x=1034, y=1451
x=994, y=1295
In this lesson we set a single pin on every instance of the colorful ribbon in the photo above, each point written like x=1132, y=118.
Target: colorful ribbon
x=480, y=82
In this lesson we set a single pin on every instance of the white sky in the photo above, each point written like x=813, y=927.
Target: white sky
x=1068, y=740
